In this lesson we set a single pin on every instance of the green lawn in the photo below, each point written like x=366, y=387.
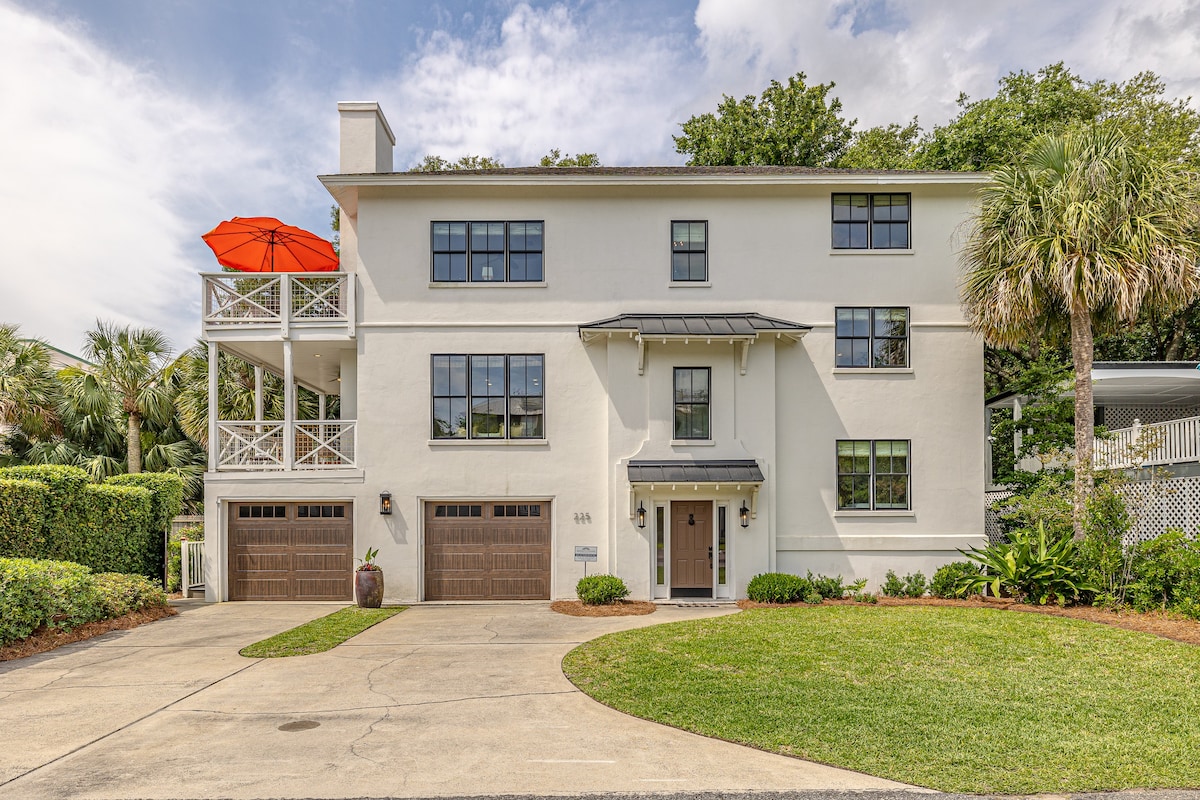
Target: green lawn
x=956, y=699
x=321, y=634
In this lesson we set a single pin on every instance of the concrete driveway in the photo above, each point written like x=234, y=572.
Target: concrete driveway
x=437, y=701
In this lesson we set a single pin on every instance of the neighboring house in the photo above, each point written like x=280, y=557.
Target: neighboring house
x=696, y=374
x=1151, y=411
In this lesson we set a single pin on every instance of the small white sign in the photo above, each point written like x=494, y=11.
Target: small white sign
x=586, y=554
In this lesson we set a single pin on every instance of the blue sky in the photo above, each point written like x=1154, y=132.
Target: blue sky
x=131, y=127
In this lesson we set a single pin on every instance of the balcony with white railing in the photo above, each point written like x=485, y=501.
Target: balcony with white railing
x=1161, y=443
x=264, y=445
x=278, y=302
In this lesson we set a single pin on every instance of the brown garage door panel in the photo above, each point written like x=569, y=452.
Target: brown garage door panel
x=277, y=555
x=490, y=555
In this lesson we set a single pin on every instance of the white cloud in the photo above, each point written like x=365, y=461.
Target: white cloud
x=110, y=178
x=542, y=78
x=892, y=59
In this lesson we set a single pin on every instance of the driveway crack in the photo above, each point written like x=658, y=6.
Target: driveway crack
x=447, y=701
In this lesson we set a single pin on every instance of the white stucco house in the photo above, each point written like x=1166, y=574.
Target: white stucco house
x=696, y=374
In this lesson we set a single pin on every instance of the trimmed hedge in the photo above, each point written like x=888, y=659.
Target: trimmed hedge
x=598, y=590
x=23, y=505
x=778, y=587
x=60, y=594
x=117, y=526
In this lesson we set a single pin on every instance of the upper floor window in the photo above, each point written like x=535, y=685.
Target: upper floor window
x=871, y=221
x=689, y=251
x=873, y=474
x=488, y=396
x=871, y=337
x=486, y=252
x=692, y=402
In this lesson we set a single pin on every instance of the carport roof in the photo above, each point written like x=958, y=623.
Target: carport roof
x=687, y=471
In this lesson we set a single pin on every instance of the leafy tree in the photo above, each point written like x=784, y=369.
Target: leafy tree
x=796, y=125
x=28, y=389
x=556, y=159
x=883, y=147
x=1087, y=230
x=130, y=371
x=432, y=163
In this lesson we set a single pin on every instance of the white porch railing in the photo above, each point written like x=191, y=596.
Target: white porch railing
x=259, y=445
x=191, y=567
x=232, y=299
x=1173, y=442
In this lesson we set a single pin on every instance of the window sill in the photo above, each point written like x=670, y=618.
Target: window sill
x=689, y=284
x=867, y=514
x=488, y=442
x=692, y=443
x=872, y=370
x=865, y=251
x=487, y=284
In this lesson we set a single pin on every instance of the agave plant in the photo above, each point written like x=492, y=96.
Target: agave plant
x=1031, y=567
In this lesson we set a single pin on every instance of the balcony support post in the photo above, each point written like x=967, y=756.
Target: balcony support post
x=289, y=408
x=258, y=393
x=321, y=406
x=285, y=303
x=214, y=409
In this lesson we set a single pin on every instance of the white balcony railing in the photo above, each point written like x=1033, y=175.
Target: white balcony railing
x=234, y=299
x=1173, y=442
x=259, y=445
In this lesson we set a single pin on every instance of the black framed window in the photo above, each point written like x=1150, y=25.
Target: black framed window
x=488, y=396
x=692, y=397
x=872, y=221
x=487, y=252
x=873, y=474
x=871, y=337
x=689, y=251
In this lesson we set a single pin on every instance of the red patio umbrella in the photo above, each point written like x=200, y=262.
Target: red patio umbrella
x=264, y=244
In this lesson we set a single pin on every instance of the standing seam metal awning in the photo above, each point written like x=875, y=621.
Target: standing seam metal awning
x=681, y=471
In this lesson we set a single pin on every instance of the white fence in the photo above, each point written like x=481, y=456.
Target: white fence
x=236, y=299
x=259, y=445
x=191, y=567
x=1173, y=442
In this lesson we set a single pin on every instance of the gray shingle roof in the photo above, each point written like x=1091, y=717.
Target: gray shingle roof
x=695, y=324
x=681, y=471
x=678, y=170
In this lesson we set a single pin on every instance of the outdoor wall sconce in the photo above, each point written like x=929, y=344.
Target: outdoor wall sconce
x=385, y=503
x=744, y=515
x=641, y=514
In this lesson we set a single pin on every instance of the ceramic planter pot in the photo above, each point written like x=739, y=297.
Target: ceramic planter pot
x=368, y=588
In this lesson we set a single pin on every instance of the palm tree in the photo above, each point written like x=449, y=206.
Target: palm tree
x=130, y=372
x=1084, y=232
x=28, y=389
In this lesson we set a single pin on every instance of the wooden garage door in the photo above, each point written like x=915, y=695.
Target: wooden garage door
x=487, y=551
x=291, y=551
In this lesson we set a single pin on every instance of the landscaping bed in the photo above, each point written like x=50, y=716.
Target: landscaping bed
x=621, y=608
x=321, y=634
x=952, y=695
x=46, y=639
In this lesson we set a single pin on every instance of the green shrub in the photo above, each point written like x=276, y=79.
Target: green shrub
x=950, y=576
x=892, y=585
x=166, y=501
x=911, y=585
x=1032, y=567
x=864, y=597
x=813, y=598
x=597, y=590
x=119, y=535
x=66, y=511
x=1165, y=575
x=23, y=505
x=35, y=594
x=829, y=588
x=777, y=587
x=120, y=594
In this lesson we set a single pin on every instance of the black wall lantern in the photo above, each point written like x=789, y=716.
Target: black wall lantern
x=744, y=515
x=385, y=503
x=641, y=514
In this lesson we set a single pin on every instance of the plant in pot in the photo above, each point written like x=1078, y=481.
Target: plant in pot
x=368, y=581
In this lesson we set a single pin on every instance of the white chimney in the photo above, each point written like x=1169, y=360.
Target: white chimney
x=366, y=138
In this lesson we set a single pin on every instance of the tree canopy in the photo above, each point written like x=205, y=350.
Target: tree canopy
x=792, y=125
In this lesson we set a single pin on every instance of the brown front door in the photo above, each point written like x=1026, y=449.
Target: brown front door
x=691, y=545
